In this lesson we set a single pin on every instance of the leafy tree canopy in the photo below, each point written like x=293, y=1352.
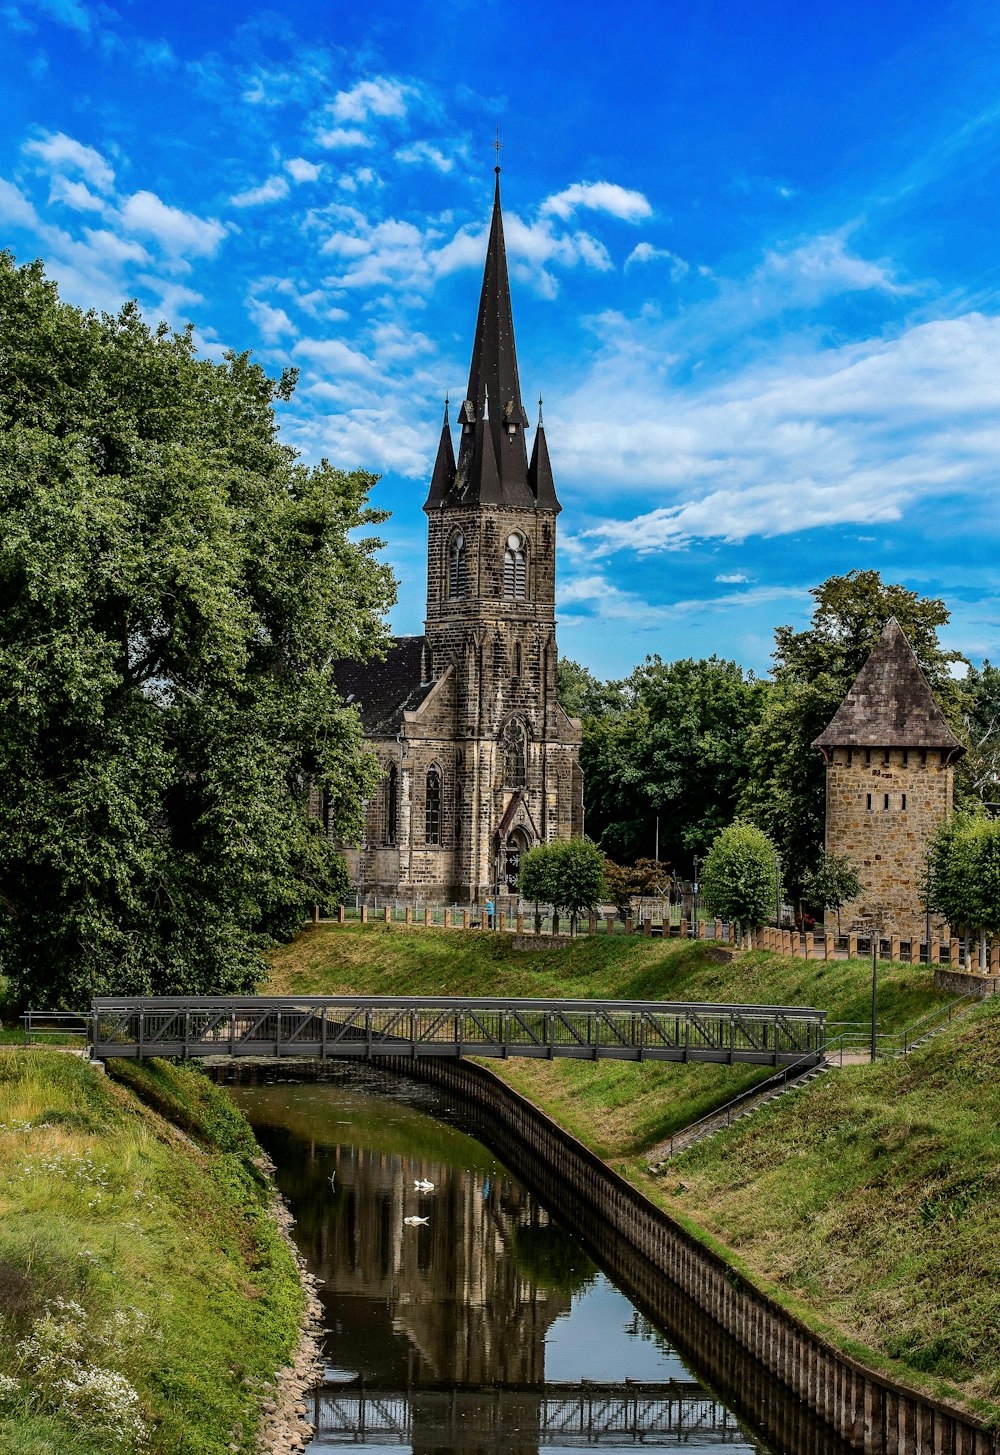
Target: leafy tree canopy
x=832, y=883
x=567, y=873
x=738, y=881
x=670, y=741
x=174, y=585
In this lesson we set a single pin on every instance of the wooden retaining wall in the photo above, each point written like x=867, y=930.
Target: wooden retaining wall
x=834, y=1395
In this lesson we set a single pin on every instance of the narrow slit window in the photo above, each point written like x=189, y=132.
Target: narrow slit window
x=886, y=757
x=868, y=805
x=868, y=757
x=885, y=804
x=391, y=804
x=903, y=804
x=517, y=659
x=432, y=807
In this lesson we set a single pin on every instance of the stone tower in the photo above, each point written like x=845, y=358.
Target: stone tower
x=890, y=758
x=480, y=762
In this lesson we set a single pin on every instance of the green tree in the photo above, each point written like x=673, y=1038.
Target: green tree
x=832, y=883
x=963, y=861
x=739, y=876
x=813, y=669
x=980, y=766
x=567, y=873
x=174, y=587
x=625, y=882
x=674, y=748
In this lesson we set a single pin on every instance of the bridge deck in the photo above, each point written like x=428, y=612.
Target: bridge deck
x=325, y=1027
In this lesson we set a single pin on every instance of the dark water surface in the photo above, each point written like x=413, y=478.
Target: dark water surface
x=487, y=1327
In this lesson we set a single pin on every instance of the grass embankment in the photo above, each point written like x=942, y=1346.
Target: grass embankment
x=867, y=1203
x=147, y=1298
x=871, y=1203
x=619, y=1108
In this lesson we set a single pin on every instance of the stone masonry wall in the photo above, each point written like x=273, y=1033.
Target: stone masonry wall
x=882, y=808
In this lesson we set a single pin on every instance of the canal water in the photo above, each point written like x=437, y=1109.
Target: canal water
x=459, y=1313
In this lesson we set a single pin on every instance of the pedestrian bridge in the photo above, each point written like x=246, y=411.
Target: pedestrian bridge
x=674, y=1414
x=323, y=1027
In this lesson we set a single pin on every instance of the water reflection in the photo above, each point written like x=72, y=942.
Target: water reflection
x=486, y=1326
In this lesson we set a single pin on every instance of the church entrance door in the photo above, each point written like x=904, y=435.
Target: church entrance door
x=516, y=845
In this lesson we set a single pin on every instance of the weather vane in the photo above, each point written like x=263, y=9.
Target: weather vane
x=498, y=148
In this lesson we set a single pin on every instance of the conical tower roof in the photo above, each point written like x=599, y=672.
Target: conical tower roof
x=543, y=487
x=890, y=704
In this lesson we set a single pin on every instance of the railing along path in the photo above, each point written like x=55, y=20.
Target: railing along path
x=369, y=1026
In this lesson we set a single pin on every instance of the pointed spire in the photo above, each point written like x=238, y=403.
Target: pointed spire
x=540, y=480
x=492, y=453
x=443, y=477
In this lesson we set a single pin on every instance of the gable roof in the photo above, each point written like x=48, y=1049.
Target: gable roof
x=890, y=704
x=384, y=690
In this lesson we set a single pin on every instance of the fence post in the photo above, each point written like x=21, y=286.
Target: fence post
x=484, y=921
x=341, y=914
x=954, y=954
x=592, y=924
x=447, y=919
x=501, y=920
x=852, y=947
x=387, y=914
x=520, y=922
x=894, y=948
x=610, y=923
x=914, y=949
x=364, y=914
x=995, y=957
x=427, y=919
x=629, y=924
x=647, y=927
x=829, y=948
x=934, y=957
x=808, y=950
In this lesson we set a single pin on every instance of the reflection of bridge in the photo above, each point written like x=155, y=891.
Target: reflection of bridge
x=370, y=1026
x=665, y=1415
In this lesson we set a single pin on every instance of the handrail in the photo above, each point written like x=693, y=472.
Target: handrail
x=789, y=1072
x=447, y=1002
x=52, y=1022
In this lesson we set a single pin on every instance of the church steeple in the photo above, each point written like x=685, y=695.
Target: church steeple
x=492, y=467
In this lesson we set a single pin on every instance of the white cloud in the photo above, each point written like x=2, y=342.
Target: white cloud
x=645, y=252
x=380, y=97
x=424, y=153
x=272, y=322
x=334, y=356
x=341, y=137
x=68, y=12
x=176, y=231
x=822, y=266
x=270, y=191
x=621, y=202
x=114, y=248
x=815, y=438
x=302, y=171
x=60, y=152
x=734, y=578
x=76, y=195
x=15, y=208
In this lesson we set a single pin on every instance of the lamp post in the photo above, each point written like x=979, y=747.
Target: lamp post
x=777, y=892
x=875, y=938
x=694, y=916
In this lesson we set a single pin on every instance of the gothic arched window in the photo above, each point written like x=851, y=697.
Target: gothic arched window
x=515, y=569
x=456, y=568
x=391, y=804
x=514, y=754
x=432, y=807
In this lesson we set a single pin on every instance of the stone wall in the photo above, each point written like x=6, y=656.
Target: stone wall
x=882, y=808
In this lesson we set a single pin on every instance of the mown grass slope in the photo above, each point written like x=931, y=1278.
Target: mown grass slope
x=146, y=1296
x=619, y=1108
x=872, y=1201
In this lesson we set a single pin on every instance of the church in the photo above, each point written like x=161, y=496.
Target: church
x=479, y=762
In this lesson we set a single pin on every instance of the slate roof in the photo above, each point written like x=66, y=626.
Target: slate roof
x=890, y=704
x=492, y=466
x=383, y=691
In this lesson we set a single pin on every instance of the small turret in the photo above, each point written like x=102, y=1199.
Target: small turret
x=443, y=478
x=540, y=470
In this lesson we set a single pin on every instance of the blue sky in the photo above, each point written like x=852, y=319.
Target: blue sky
x=754, y=253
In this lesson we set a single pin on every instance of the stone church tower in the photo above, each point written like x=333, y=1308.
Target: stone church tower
x=890, y=779
x=479, y=760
